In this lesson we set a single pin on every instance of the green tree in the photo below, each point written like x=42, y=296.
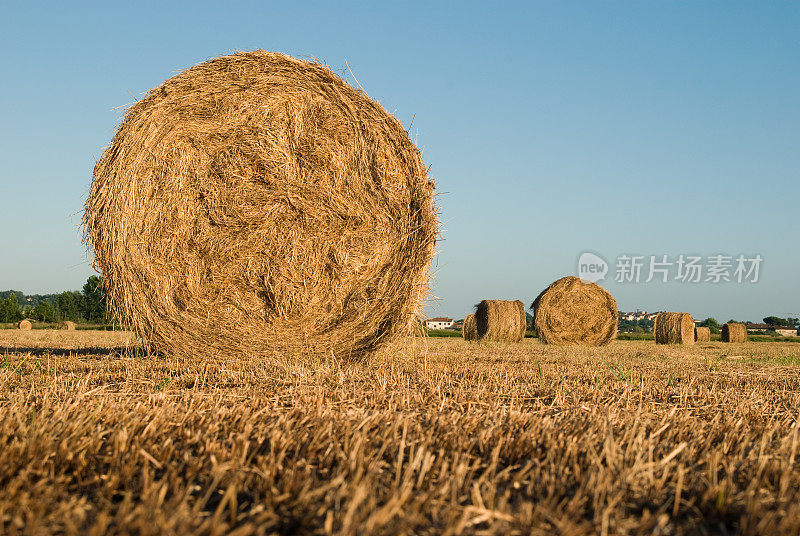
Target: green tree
x=9, y=309
x=68, y=306
x=712, y=324
x=776, y=321
x=45, y=312
x=93, y=302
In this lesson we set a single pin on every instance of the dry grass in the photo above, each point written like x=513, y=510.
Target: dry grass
x=436, y=437
x=257, y=203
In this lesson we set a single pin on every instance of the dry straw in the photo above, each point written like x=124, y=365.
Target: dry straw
x=674, y=328
x=24, y=325
x=702, y=334
x=500, y=320
x=733, y=332
x=469, y=330
x=67, y=325
x=573, y=311
x=256, y=203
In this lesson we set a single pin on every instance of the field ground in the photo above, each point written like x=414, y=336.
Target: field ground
x=436, y=436
x=55, y=325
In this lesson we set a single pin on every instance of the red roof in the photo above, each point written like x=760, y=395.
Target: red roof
x=439, y=319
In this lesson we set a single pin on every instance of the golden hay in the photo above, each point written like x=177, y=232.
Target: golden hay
x=67, y=325
x=469, y=330
x=573, y=311
x=702, y=334
x=256, y=203
x=500, y=320
x=733, y=332
x=24, y=325
x=674, y=328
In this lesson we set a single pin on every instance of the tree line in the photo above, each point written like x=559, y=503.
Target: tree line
x=643, y=325
x=85, y=306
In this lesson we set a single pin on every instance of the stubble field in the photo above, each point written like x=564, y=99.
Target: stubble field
x=436, y=436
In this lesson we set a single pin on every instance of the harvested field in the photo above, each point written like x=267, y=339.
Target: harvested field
x=437, y=437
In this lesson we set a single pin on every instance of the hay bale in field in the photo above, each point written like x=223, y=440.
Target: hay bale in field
x=67, y=325
x=702, y=334
x=500, y=320
x=733, y=332
x=469, y=330
x=256, y=203
x=673, y=328
x=24, y=325
x=573, y=311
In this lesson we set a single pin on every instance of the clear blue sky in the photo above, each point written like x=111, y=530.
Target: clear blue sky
x=551, y=128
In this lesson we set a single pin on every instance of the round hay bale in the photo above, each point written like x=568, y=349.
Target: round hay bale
x=500, y=320
x=702, y=334
x=24, y=325
x=573, y=311
x=469, y=330
x=673, y=328
x=733, y=332
x=256, y=203
x=67, y=325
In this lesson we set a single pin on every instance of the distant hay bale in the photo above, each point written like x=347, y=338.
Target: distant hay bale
x=702, y=334
x=67, y=325
x=500, y=320
x=24, y=325
x=733, y=332
x=257, y=203
x=469, y=330
x=572, y=311
x=673, y=328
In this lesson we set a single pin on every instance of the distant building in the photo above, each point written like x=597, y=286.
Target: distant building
x=637, y=316
x=784, y=331
x=439, y=322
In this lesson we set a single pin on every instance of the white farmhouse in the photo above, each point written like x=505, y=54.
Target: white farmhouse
x=439, y=322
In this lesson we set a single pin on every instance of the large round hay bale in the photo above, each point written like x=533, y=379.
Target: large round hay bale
x=500, y=320
x=733, y=332
x=573, y=311
x=24, y=325
x=67, y=325
x=674, y=328
x=702, y=334
x=469, y=329
x=256, y=203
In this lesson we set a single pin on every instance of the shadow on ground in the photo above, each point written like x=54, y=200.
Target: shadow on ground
x=90, y=350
